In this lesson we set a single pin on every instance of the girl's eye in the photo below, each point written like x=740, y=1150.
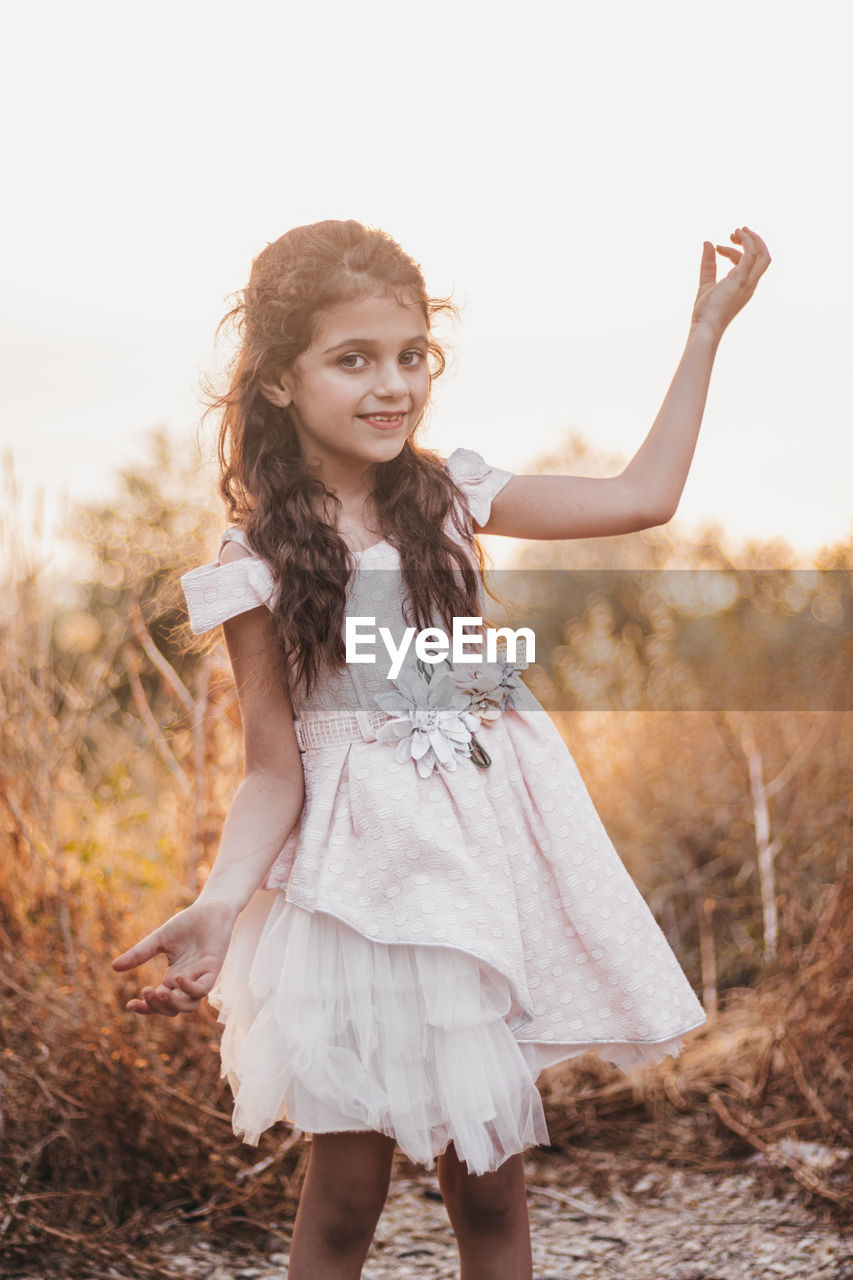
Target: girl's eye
x=348, y=361
x=412, y=357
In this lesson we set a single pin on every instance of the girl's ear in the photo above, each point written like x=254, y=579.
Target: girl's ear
x=278, y=393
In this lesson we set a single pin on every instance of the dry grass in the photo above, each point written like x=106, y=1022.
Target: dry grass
x=773, y=1074
x=115, y=1126
x=118, y=1128
x=115, y=772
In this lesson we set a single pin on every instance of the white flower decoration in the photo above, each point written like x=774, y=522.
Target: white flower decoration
x=511, y=681
x=486, y=695
x=491, y=688
x=431, y=722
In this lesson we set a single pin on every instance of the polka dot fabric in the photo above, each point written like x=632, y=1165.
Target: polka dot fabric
x=504, y=874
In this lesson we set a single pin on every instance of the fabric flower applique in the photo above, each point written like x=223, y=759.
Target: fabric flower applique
x=431, y=722
x=511, y=681
x=436, y=711
x=486, y=695
x=492, y=686
x=491, y=689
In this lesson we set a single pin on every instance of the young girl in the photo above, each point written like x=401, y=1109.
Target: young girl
x=414, y=907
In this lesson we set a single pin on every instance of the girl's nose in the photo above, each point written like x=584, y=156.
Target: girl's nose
x=389, y=379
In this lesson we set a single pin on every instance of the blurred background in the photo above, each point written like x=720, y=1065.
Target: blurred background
x=557, y=169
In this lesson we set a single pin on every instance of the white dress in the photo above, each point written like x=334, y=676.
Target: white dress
x=431, y=937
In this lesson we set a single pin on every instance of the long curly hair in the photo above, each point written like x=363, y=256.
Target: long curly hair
x=270, y=489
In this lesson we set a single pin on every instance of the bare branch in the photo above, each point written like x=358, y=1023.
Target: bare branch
x=799, y=757
x=173, y=681
x=147, y=717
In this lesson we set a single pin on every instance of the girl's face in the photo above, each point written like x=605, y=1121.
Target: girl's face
x=361, y=387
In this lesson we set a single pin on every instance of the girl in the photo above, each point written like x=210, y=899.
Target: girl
x=414, y=907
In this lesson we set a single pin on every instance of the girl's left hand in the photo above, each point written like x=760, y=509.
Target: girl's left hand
x=718, y=302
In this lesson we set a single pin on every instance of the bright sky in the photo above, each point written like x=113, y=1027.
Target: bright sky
x=556, y=165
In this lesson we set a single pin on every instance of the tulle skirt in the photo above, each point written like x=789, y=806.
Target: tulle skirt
x=336, y=1032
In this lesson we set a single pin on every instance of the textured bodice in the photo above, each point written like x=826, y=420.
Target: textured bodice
x=215, y=592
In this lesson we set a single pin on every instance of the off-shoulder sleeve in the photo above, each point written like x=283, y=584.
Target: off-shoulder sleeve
x=215, y=592
x=477, y=480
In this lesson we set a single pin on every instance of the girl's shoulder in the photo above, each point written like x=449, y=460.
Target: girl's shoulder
x=478, y=480
x=239, y=580
x=233, y=545
x=236, y=581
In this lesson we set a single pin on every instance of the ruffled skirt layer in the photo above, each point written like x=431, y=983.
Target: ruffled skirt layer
x=334, y=1031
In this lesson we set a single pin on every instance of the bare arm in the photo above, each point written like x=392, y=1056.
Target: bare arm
x=269, y=799
x=264, y=810
x=648, y=490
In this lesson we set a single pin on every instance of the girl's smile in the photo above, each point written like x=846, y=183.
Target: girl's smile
x=360, y=388
x=385, y=422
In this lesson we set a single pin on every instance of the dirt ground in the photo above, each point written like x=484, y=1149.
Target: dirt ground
x=604, y=1218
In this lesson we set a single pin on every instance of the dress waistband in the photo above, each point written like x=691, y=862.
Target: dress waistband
x=336, y=730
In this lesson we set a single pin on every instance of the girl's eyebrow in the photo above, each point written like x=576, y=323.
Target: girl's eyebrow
x=419, y=339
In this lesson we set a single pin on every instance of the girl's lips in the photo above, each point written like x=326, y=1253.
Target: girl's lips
x=384, y=423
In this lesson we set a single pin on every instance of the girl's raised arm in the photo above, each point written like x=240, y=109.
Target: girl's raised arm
x=648, y=491
x=265, y=808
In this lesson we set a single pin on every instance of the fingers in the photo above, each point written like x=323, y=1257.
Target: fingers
x=751, y=262
x=197, y=989
x=137, y=955
x=762, y=258
x=175, y=994
x=738, y=256
x=717, y=302
x=755, y=258
x=164, y=999
x=147, y=1008
x=747, y=258
x=733, y=254
x=708, y=269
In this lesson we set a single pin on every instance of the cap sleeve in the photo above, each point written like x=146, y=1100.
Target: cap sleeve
x=478, y=481
x=215, y=592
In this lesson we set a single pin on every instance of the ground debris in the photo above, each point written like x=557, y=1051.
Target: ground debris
x=614, y=1216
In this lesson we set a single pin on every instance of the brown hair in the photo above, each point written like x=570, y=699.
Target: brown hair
x=269, y=488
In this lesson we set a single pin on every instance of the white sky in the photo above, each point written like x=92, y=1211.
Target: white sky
x=556, y=165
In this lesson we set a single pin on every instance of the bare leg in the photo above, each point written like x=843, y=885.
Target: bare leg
x=342, y=1197
x=488, y=1213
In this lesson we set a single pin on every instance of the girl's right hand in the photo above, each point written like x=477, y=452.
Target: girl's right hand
x=195, y=942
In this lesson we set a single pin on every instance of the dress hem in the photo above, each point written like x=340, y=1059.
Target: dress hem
x=594, y=1045
x=515, y=1024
